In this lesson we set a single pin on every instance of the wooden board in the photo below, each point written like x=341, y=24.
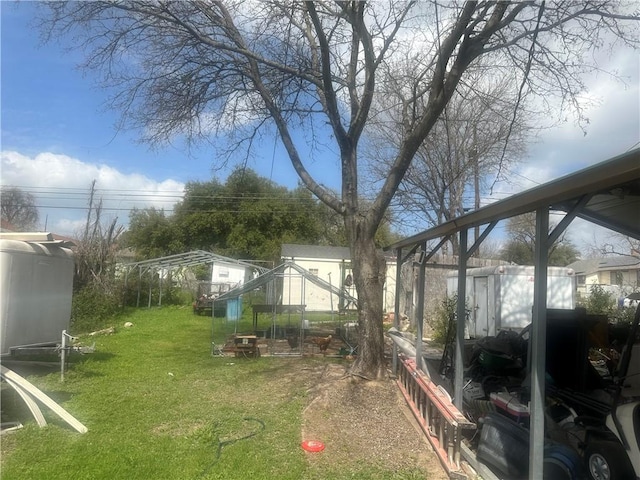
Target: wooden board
x=33, y=406
x=13, y=378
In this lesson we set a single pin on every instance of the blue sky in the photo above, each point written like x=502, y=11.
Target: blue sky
x=57, y=137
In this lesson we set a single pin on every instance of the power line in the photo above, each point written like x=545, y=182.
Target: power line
x=145, y=193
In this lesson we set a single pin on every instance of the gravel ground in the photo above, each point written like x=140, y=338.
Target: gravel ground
x=365, y=420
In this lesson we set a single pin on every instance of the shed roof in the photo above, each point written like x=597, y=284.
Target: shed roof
x=290, y=250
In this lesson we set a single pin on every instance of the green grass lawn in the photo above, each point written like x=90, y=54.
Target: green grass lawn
x=159, y=406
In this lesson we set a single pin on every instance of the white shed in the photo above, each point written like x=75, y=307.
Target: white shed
x=226, y=276
x=332, y=265
x=37, y=286
x=501, y=298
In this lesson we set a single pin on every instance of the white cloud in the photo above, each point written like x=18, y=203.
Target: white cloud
x=614, y=128
x=611, y=106
x=587, y=236
x=61, y=187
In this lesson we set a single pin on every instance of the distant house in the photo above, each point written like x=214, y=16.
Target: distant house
x=331, y=264
x=619, y=275
x=228, y=275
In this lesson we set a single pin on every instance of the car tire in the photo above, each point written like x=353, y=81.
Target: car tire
x=607, y=460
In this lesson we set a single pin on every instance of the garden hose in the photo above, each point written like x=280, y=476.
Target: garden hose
x=231, y=441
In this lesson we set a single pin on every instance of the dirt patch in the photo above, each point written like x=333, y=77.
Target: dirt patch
x=365, y=421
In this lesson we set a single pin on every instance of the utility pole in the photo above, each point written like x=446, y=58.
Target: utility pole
x=476, y=181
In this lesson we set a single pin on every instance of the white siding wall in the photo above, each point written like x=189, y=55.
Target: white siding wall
x=229, y=274
x=389, y=298
x=298, y=291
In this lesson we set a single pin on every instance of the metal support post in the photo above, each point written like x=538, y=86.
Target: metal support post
x=461, y=315
x=537, y=344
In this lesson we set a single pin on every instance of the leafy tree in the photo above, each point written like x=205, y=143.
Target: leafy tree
x=238, y=69
x=203, y=215
x=153, y=234
x=248, y=216
x=18, y=208
x=521, y=246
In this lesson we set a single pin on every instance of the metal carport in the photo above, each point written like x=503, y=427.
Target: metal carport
x=180, y=260
x=607, y=194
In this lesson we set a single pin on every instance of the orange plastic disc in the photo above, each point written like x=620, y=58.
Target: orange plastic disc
x=312, y=446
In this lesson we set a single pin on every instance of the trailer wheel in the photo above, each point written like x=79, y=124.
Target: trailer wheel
x=607, y=460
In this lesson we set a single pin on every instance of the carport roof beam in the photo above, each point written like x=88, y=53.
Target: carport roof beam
x=615, y=182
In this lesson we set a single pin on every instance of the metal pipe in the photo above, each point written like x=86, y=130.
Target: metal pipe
x=139, y=286
x=420, y=309
x=63, y=354
x=150, y=285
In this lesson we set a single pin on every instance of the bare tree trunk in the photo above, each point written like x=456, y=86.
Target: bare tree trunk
x=369, y=271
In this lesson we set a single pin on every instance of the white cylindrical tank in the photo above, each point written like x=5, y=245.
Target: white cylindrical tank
x=36, y=288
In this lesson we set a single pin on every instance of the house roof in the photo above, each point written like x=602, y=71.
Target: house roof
x=593, y=265
x=290, y=250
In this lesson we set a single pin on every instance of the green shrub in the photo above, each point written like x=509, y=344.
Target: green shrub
x=445, y=312
x=93, y=308
x=601, y=302
x=622, y=315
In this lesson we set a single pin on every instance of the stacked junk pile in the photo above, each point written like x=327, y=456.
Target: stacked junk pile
x=592, y=417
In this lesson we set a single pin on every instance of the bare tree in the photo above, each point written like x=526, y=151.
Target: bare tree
x=96, y=248
x=618, y=244
x=472, y=143
x=18, y=208
x=201, y=68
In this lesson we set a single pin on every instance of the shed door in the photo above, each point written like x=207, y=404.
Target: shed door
x=480, y=307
